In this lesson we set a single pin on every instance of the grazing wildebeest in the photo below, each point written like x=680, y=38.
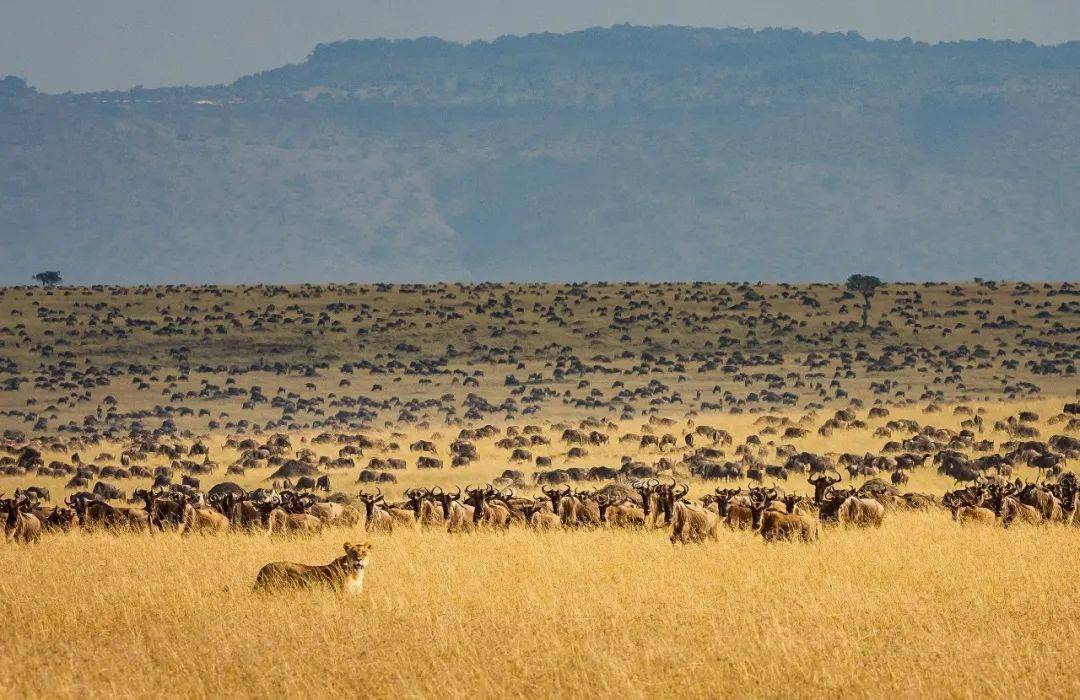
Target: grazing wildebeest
x=20, y=525
x=429, y=463
x=107, y=492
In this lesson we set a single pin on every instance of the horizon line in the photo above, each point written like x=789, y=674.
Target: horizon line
x=851, y=33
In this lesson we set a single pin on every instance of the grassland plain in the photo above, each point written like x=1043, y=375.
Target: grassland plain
x=918, y=607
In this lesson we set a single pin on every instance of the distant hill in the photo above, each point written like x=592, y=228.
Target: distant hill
x=622, y=153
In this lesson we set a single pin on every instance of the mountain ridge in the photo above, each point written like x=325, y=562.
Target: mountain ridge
x=622, y=153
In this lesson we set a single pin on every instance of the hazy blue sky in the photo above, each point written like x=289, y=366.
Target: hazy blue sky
x=97, y=44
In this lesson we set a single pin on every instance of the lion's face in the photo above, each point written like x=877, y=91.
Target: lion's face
x=357, y=554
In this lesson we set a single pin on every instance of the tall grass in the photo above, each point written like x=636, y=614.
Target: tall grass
x=919, y=607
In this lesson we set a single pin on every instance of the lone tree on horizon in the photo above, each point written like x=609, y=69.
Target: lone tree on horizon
x=866, y=285
x=49, y=278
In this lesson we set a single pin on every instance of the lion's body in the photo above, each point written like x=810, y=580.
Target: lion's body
x=344, y=574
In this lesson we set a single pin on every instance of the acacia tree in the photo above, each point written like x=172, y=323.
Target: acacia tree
x=48, y=278
x=866, y=285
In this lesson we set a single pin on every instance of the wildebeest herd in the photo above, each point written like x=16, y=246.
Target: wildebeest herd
x=616, y=405
x=646, y=504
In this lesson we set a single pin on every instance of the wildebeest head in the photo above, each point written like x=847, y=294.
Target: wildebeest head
x=477, y=497
x=61, y=519
x=759, y=501
x=531, y=508
x=415, y=498
x=830, y=506
x=25, y=499
x=822, y=483
x=604, y=503
x=555, y=495
x=370, y=500
x=791, y=501
x=668, y=495
x=78, y=502
x=445, y=499
x=647, y=489
x=723, y=499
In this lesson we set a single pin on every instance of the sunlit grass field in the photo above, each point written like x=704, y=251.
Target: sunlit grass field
x=920, y=607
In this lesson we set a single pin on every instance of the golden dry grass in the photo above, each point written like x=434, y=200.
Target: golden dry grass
x=918, y=608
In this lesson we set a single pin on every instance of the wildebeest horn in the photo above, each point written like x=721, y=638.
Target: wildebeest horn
x=433, y=488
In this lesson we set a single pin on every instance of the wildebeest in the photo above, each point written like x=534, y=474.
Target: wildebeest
x=539, y=516
x=429, y=463
x=107, y=492
x=376, y=518
x=20, y=525
x=282, y=522
x=860, y=512
x=776, y=525
x=93, y=514
x=691, y=523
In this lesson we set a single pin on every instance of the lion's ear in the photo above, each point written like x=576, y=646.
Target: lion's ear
x=349, y=548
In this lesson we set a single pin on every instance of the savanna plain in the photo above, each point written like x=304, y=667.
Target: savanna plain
x=524, y=395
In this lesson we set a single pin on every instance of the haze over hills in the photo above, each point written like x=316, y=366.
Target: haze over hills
x=623, y=153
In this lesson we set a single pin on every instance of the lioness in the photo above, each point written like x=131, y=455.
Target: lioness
x=344, y=574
